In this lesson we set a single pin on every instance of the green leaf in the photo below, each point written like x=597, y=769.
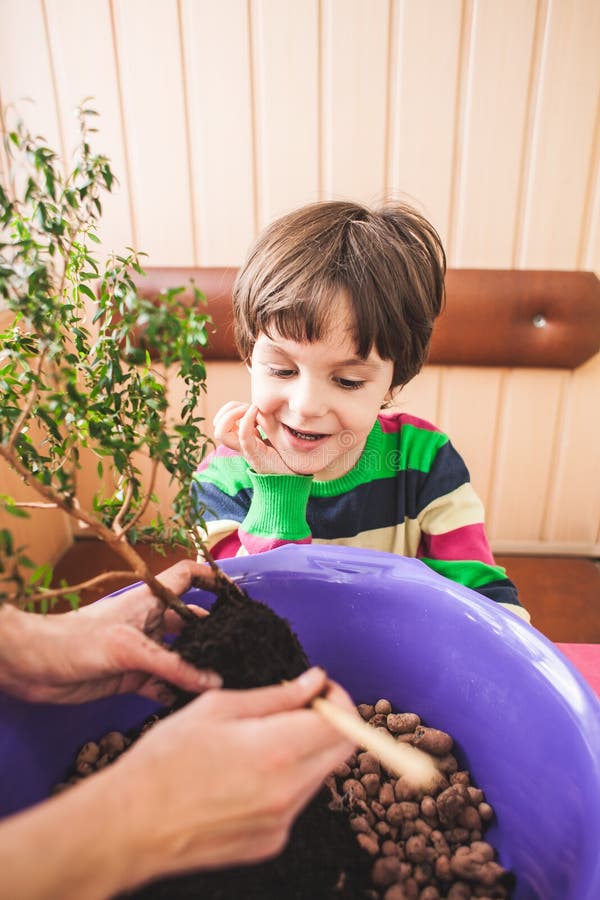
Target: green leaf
x=84, y=289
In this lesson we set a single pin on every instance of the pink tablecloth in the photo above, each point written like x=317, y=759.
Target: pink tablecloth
x=586, y=658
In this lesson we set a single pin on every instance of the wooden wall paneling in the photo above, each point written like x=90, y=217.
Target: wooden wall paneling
x=4, y=167
x=84, y=61
x=425, y=45
x=225, y=381
x=527, y=442
x=355, y=105
x=468, y=413
x=574, y=493
x=495, y=95
x=218, y=90
x=150, y=61
x=589, y=254
x=4, y=170
x=46, y=534
x=26, y=69
x=286, y=77
x=563, y=135
x=421, y=396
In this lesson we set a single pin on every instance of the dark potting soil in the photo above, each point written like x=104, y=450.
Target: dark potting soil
x=244, y=641
x=250, y=646
x=321, y=861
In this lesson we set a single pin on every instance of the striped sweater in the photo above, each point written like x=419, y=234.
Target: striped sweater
x=409, y=493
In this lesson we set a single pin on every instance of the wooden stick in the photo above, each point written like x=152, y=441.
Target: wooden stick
x=401, y=759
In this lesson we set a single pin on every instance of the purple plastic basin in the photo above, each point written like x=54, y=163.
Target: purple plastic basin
x=524, y=721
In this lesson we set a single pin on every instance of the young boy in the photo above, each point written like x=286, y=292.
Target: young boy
x=334, y=310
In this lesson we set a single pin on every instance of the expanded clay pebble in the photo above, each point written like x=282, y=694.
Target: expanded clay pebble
x=367, y=835
x=424, y=846
x=421, y=846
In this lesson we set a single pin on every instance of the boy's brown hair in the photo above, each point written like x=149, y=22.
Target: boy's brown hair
x=390, y=263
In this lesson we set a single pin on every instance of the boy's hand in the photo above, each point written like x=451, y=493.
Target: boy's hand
x=236, y=426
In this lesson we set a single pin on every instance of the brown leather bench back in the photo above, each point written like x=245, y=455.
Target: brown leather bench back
x=523, y=318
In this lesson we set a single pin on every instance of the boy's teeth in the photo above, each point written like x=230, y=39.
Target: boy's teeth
x=305, y=436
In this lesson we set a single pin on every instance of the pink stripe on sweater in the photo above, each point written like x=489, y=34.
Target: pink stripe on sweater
x=468, y=542
x=256, y=544
x=392, y=422
x=226, y=547
x=220, y=451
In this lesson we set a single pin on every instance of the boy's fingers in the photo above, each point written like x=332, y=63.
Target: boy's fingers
x=226, y=427
x=227, y=407
x=229, y=414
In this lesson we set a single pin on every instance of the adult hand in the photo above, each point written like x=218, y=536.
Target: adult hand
x=109, y=647
x=236, y=425
x=221, y=781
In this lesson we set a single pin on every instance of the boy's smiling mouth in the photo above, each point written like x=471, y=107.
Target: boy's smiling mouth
x=310, y=436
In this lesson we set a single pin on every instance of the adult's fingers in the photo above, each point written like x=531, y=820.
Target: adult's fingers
x=139, y=605
x=266, y=701
x=179, y=576
x=132, y=651
x=173, y=623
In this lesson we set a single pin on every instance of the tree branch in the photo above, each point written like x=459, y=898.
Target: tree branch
x=33, y=505
x=26, y=411
x=82, y=586
x=117, y=542
x=145, y=501
x=116, y=525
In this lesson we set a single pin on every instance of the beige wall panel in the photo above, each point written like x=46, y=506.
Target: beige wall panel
x=3, y=156
x=83, y=54
x=420, y=397
x=149, y=54
x=286, y=78
x=355, y=91
x=468, y=413
x=219, y=97
x=574, y=497
x=25, y=68
x=46, y=534
x=495, y=101
x=425, y=45
x=226, y=381
x=562, y=138
x=589, y=257
x=529, y=415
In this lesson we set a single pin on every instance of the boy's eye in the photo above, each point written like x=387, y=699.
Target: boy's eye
x=281, y=373
x=348, y=384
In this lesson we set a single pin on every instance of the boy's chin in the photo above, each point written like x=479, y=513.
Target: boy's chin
x=322, y=469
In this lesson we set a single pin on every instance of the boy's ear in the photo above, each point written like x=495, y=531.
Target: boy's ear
x=389, y=397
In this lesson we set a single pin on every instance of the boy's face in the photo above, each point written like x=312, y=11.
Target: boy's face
x=318, y=401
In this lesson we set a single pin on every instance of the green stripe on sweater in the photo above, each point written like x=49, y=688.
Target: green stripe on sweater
x=279, y=506
x=471, y=573
x=383, y=456
x=228, y=473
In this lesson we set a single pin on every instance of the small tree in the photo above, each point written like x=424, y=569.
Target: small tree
x=74, y=373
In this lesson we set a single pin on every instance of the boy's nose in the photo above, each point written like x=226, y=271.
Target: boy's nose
x=307, y=400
